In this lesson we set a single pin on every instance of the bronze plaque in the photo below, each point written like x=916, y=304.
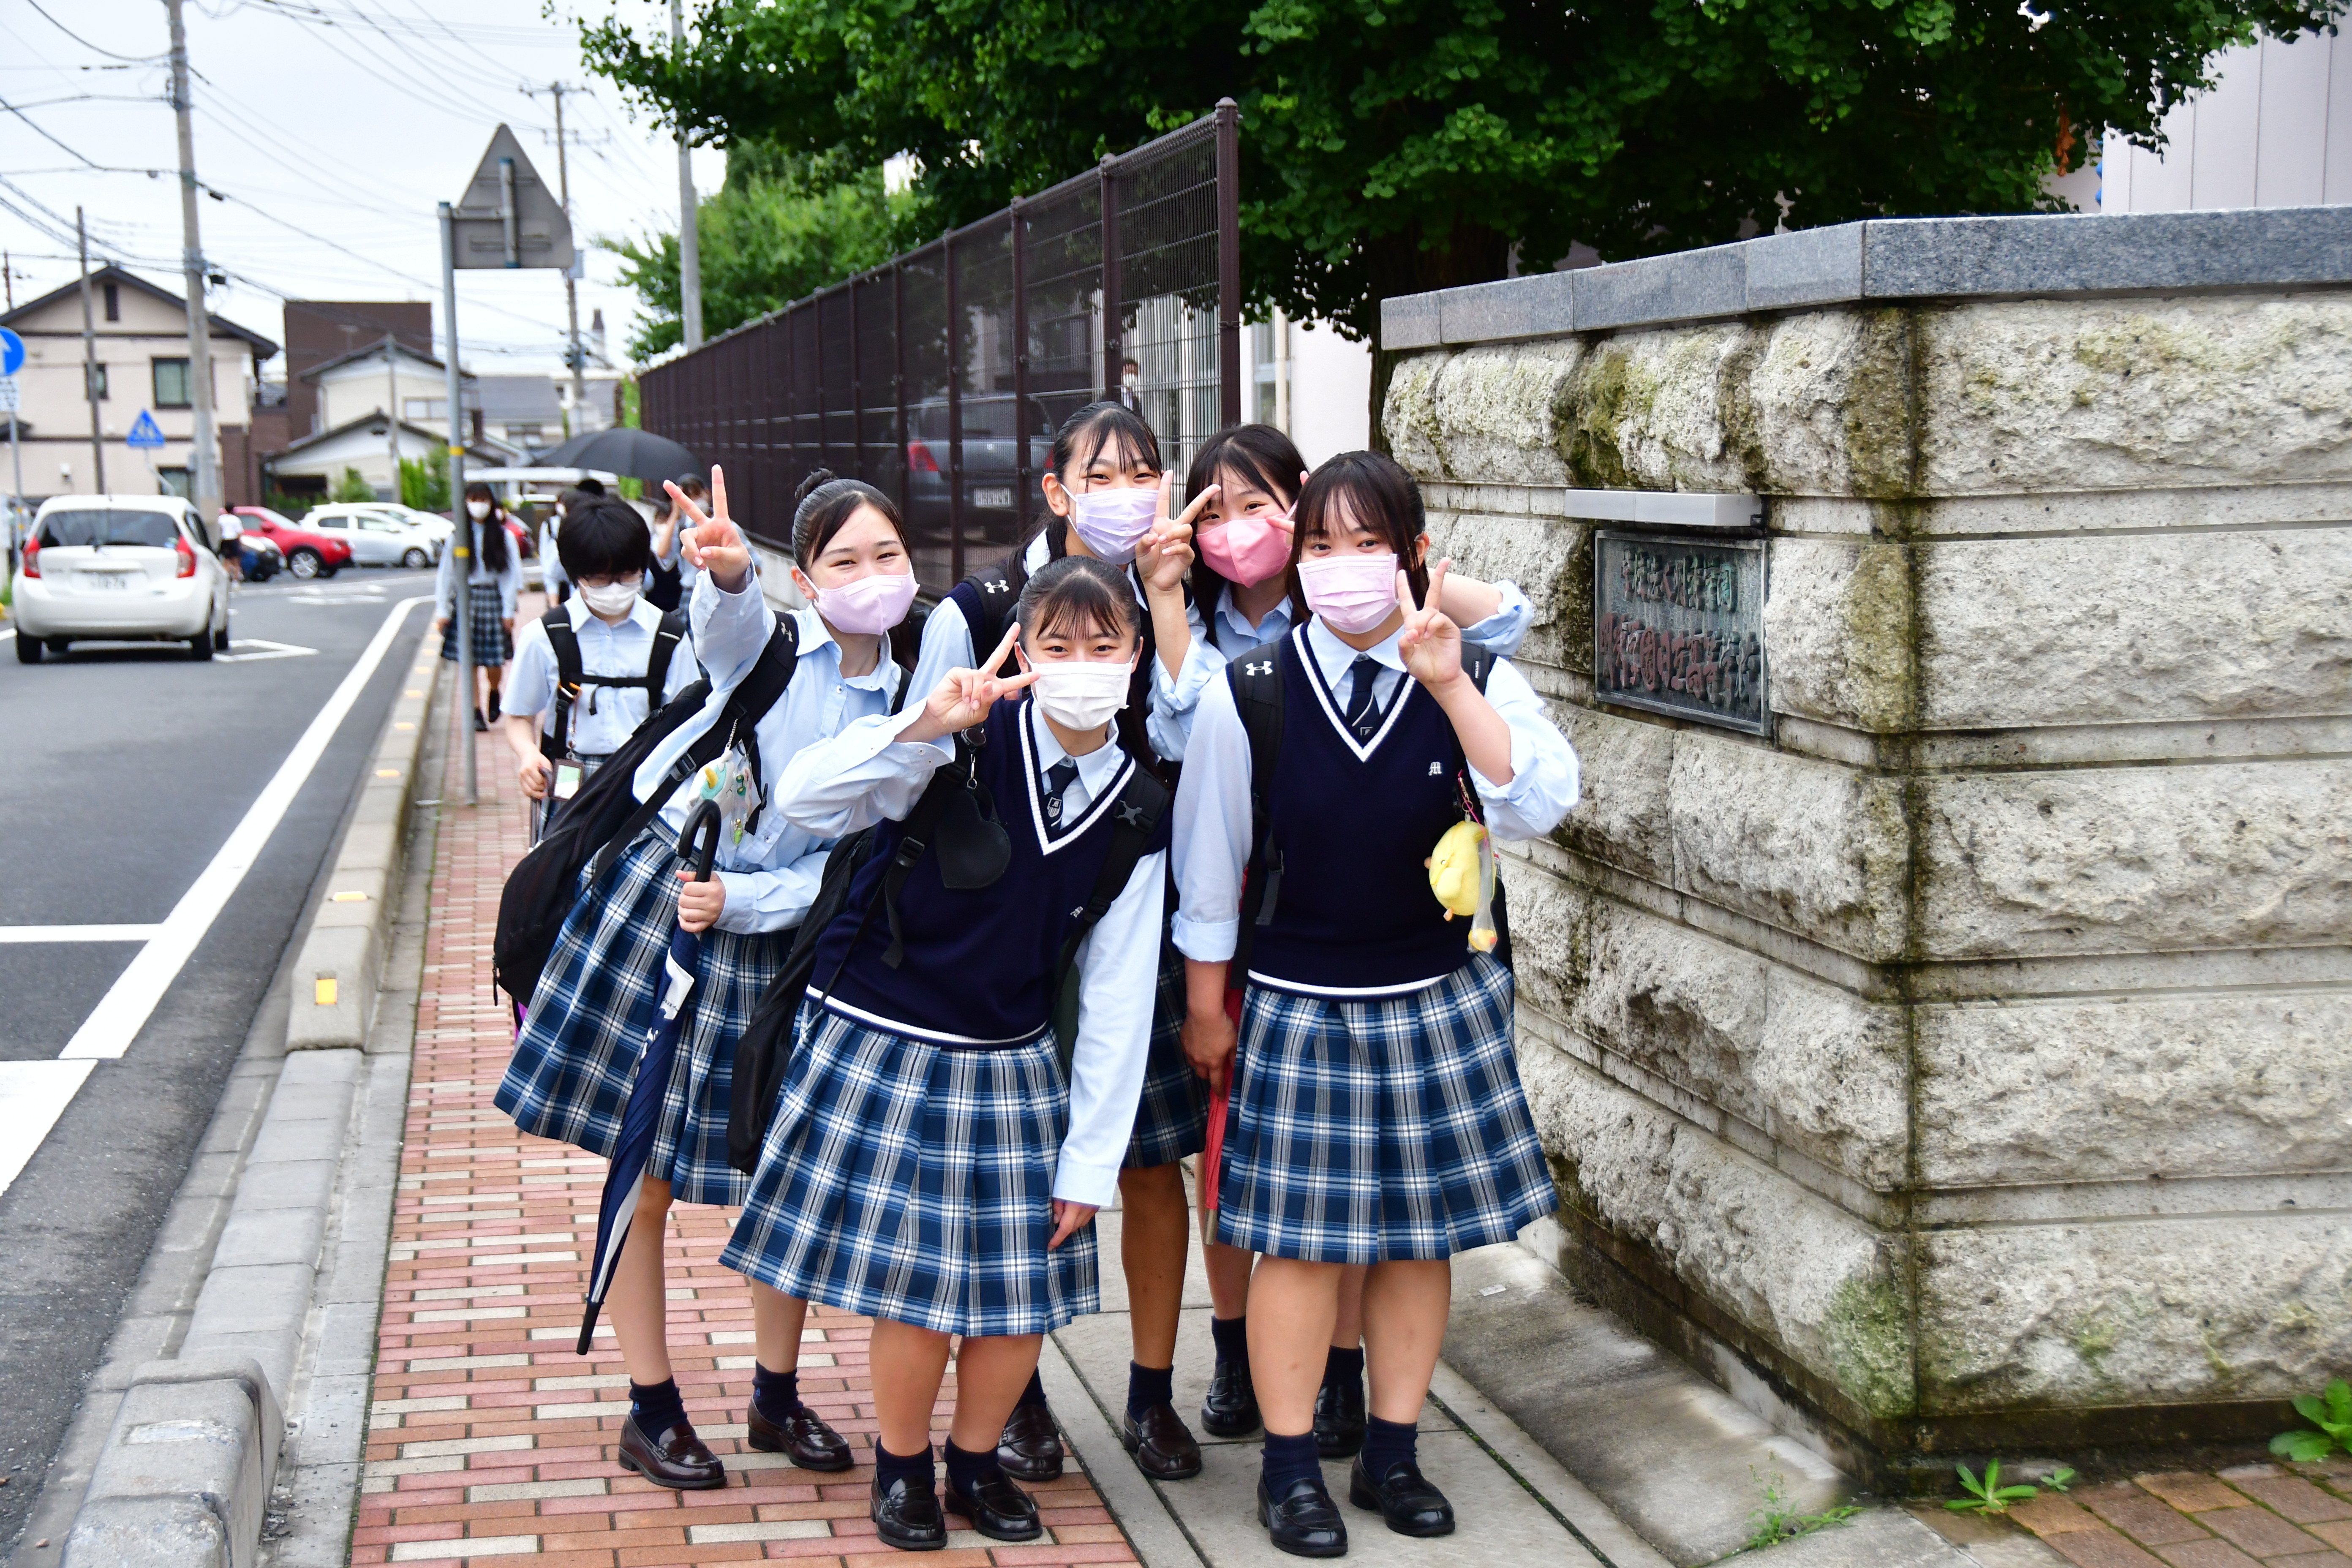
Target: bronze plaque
x=1678, y=628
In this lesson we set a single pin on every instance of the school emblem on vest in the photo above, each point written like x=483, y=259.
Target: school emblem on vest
x=1435, y=772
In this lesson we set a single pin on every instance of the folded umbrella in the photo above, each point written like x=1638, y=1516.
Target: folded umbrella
x=1212, y=1157
x=698, y=845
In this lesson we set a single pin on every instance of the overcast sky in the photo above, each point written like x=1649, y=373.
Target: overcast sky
x=327, y=123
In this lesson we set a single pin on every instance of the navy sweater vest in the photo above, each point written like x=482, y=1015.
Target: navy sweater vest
x=980, y=963
x=1354, y=913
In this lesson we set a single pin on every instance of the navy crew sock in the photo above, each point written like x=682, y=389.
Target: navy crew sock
x=1387, y=1445
x=657, y=1407
x=1232, y=1337
x=1036, y=1393
x=1344, y=1367
x=1147, y=1386
x=776, y=1395
x=1289, y=1461
x=968, y=1471
x=915, y=1469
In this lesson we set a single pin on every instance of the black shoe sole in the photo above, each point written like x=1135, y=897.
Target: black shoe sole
x=1035, y=1477
x=769, y=1446
x=1365, y=1499
x=904, y=1543
x=1134, y=1447
x=714, y=1484
x=1265, y=1519
x=1036, y=1527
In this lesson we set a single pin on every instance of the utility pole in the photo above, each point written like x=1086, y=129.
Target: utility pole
x=392, y=408
x=461, y=538
x=204, y=463
x=570, y=284
x=689, y=248
x=90, y=356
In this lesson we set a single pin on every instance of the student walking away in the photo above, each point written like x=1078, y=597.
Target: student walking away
x=493, y=580
x=671, y=557
x=575, y=1060
x=1378, y=1116
x=931, y=1163
x=1242, y=597
x=587, y=674
x=1107, y=498
x=665, y=587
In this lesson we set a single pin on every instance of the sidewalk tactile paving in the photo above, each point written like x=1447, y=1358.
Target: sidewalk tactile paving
x=488, y=1437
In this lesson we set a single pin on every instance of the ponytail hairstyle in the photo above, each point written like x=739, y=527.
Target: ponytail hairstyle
x=1381, y=497
x=823, y=504
x=1081, y=593
x=1097, y=429
x=1257, y=455
x=490, y=533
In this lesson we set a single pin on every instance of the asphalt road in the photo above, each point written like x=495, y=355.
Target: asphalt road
x=122, y=772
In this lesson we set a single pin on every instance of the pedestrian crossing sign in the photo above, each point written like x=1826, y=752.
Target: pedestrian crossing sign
x=145, y=431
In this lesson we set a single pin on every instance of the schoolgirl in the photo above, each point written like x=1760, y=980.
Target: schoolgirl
x=1107, y=498
x=927, y=1163
x=1378, y=1116
x=561, y=736
x=493, y=578
x=575, y=1063
x=1248, y=477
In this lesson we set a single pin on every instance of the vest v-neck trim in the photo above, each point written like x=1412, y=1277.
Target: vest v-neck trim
x=1363, y=750
x=1049, y=843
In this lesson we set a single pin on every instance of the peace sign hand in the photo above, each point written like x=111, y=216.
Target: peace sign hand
x=1167, y=550
x=1430, y=644
x=712, y=542
x=965, y=695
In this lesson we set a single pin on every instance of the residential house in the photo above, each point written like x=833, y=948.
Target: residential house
x=352, y=393
x=523, y=411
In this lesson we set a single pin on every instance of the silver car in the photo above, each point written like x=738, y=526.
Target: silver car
x=377, y=537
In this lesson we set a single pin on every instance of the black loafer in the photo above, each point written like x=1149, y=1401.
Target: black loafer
x=907, y=1518
x=1304, y=1522
x=997, y=1508
x=1403, y=1497
x=1031, y=1448
x=804, y=1436
x=1339, y=1418
x=1231, y=1408
x=1161, y=1444
x=675, y=1457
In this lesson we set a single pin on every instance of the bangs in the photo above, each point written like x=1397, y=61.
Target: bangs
x=1077, y=597
x=1109, y=431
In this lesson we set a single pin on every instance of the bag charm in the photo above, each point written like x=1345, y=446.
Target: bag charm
x=727, y=782
x=1462, y=873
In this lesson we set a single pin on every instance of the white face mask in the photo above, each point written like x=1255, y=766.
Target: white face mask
x=1079, y=695
x=478, y=509
x=612, y=599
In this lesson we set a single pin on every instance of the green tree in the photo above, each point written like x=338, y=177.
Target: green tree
x=353, y=487
x=781, y=228
x=425, y=483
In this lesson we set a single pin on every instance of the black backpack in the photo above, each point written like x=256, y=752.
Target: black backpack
x=605, y=816
x=764, y=1050
x=555, y=741
x=1256, y=679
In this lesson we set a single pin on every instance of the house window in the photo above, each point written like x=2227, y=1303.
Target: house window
x=175, y=481
x=171, y=384
x=97, y=381
x=113, y=302
x=425, y=409
x=523, y=432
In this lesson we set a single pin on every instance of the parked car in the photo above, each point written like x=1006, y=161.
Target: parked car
x=120, y=568
x=432, y=522
x=308, y=553
x=377, y=536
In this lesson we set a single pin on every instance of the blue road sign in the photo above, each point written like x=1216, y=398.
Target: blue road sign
x=12, y=353
x=145, y=431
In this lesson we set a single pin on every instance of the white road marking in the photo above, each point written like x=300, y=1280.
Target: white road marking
x=7, y=633
x=262, y=649
x=33, y=1094
x=128, y=1003
x=77, y=933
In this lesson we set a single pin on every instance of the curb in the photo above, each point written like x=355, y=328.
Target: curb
x=183, y=1478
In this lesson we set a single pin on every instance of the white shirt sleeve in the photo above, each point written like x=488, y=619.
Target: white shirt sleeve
x=773, y=900
x=1212, y=829
x=685, y=667
x=859, y=777
x=729, y=629
x=1501, y=633
x=1544, y=774
x=947, y=645
x=1119, y=970
x=1175, y=699
x=530, y=685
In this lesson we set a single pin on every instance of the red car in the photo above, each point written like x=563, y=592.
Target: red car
x=308, y=553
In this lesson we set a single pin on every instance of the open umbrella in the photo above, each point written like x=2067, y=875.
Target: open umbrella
x=698, y=845
x=639, y=453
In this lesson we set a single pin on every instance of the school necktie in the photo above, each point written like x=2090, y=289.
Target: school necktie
x=1362, y=717
x=1058, y=777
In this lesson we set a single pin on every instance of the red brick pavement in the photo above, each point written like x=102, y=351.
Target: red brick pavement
x=2188, y=1519
x=488, y=1435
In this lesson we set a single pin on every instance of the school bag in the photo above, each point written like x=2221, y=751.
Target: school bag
x=954, y=815
x=1256, y=679
x=555, y=741
x=605, y=816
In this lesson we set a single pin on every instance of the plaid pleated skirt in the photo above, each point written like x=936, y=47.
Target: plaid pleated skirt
x=577, y=1057
x=903, y=1181
x=1389, y=1128
x=491, y=644
x=1171, y=1118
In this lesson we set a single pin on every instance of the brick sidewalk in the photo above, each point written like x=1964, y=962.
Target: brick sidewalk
x=488, y=1435
x=2241, y=1517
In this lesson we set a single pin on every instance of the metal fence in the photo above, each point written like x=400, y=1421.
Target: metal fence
x=941, y=376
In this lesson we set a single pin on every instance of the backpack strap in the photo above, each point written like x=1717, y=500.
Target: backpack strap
x=986, y=598
x=555, y=741
x=1256, y=681
x=667, y=636
x=1135, y=822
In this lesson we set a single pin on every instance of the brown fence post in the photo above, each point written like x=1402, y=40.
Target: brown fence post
x=857, y=386
x=955, y=411
x=899, y=380
x=1020, y=370
x=1113, y=332
x=1229, y=262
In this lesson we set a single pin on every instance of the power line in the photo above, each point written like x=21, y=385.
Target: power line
x=29, y=120
x=85, y=43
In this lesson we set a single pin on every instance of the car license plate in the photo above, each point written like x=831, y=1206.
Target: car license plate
x=106, y=581
x=999, y=497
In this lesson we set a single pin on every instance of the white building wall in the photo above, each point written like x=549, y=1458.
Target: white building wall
x=1312, y=384
x=2275, y=131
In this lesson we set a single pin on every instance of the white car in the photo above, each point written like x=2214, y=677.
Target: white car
x=377, y=535
x=432, y=522
x=120, y=568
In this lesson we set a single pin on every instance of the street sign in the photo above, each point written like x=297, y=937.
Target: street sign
x=8, y=404
x=507, y=216
x=12, y=353
x=144, y=432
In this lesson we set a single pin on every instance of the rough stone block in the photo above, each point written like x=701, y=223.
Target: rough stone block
x=1623, y=817
x=1838, y=631
x=1497, y=412
x=1647, y=411
x=1409, y=415
x=1550, y=561
x=1824, y=407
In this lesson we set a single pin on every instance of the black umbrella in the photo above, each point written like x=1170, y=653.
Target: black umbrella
x=639, y=453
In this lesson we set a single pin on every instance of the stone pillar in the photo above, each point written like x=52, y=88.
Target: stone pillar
x=1967, y=1064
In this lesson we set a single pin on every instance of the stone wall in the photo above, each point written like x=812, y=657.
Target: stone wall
x=1972, y=1057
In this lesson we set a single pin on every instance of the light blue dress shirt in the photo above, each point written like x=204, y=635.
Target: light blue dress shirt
x=603, y=717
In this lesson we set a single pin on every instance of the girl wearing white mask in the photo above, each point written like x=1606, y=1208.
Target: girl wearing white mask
x=929, y=1164
x=1377, y=1115
x=575, y=1060
x=491, y=579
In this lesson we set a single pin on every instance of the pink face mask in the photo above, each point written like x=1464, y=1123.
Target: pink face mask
x=1350, y=593
x=871, y=604
x=1246, y=551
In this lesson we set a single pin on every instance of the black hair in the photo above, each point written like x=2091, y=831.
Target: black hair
x=603, y=537
x=825, y=503
x=693, y=483
x=1095, y=428
x=1384, y=499
x=1258, y=454
x=590, y=484
x=491, y=532
x=1081, y=589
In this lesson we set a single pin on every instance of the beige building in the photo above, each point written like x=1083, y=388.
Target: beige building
x=350, y=430
x=141, y=335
